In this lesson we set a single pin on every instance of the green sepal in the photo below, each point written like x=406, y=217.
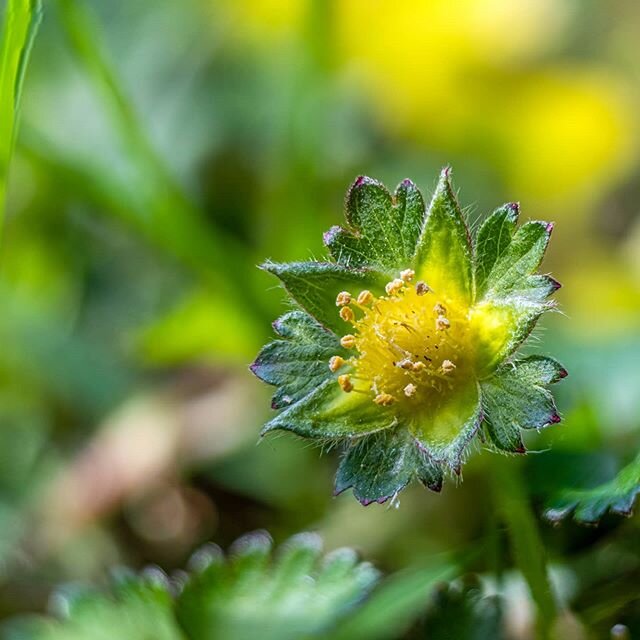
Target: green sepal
x=315, y=285
x=517, y=260
x=443, y=255
x=588, y=506
x=382, y=229
x=492, y=240
x=328, y=413
x=513, y=321
x=516, y=397
x=445, y=430
x=380, y=465
x=299, y=362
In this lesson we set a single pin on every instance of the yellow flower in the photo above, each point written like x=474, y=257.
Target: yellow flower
x=405, y=346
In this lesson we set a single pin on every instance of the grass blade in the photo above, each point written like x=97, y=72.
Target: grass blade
x=20, y=24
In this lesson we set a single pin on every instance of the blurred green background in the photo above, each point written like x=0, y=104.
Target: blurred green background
x=167, y=148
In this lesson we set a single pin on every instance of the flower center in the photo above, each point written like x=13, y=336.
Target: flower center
x=412, y=344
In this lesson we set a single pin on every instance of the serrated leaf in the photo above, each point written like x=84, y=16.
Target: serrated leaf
x=134, y=610
x=288, y=599
x=291, y=594
x=383, y=230
x=328, y=413
x=516, y=397
x=494, y=236
x=315, y=285
x=443, y=254
x=298, y=363
x=378, y=466
x=447, y=428
x=588, y=506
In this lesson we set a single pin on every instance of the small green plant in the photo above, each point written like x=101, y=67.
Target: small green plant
x=297, y=593
x=404, y=345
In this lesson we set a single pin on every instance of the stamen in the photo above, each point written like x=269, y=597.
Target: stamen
x=346, y=313
x=343, y=298
x=348, y=341
x=440, y=309
x=418, y=366
x=447, y=366
x=405, y=364
x=394, y=287
x=345, y=382
x=442, y=323
x=384, y=399
x=422, y=288
x=407, y=275
x=410, y=390
x=365, y=297
x=335, y=363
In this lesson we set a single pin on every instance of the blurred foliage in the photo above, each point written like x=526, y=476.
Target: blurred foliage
x=167, y=148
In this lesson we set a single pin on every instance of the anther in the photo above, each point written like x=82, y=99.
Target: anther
x=422, y=288
x=405, y=364
x=343, y=298
x=335, y=363
x=447, y=366
x=365, y=297
x=345, y=382
x=440, y=309
x=384, y=399
x=418, y=366
x=407, y=275
x=348, y=341
x=410, y=390
x=442, y=323
x=394, y=286
x=346, y=313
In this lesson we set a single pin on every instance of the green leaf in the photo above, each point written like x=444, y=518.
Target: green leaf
x=315, y=285
x=494, y=236
x=443, y=256
x=21, y=20
x=136, y=608
x=249, y=597
x=254, y=593
x=298, y=363
x=446, y=430
x=588, y=506
x=328, y=413
x=393, y=607
x=516, y=397
x=460, y=611
x=382, y=230
x=378, y=466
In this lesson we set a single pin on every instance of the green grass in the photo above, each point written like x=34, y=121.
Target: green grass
x=19, y=28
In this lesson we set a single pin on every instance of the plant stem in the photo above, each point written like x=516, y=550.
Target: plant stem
x=515, y=510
